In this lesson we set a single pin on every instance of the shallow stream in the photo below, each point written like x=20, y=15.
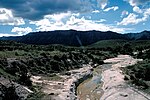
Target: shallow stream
x=90, y=89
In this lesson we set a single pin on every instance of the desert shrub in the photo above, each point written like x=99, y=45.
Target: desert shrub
x=139, y=73
x=8, y=93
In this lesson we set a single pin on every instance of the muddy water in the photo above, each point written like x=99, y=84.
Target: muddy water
x=90, y=89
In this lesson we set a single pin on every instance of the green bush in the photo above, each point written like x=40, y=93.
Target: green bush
x=139, y=73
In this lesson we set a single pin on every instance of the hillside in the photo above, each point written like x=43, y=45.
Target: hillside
x=119, y=43
x=108, y=43
x=70, y=37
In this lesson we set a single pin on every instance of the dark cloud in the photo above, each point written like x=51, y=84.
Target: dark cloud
x=36, y=9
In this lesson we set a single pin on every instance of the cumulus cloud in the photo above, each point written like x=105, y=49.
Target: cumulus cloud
x=37, y=9
x=146, y=14
x=137, y=2
x=137, y=9
x=7, y=18
x=55, y=18
x=135, y=19
x=21, y=31
x=76, y=23
x=130, y=19
x=102, y=3
x=58, y=17
x=111, y=8
x=140, y=14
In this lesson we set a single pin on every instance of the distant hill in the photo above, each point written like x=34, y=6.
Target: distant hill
x=75, y=38
x=145, y=35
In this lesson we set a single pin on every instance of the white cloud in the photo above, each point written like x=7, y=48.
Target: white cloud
x=142, y=14
x=73, y=22
x=53, y=19
x=44, y=22
x=137, y=2
x=111, y=8
x=100, y=21
x=130, y=19
x=21, y=31
x=124, y=13
x=7, y=35
x=58, y=17
x=135, y=19
x=7, y=18
x=146, y=14
x=102, y=3
x=96, y=11
x=137, y=9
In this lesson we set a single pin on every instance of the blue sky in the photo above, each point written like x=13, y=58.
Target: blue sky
x=19, y=17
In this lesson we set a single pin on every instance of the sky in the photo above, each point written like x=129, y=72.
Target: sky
x=19, y=17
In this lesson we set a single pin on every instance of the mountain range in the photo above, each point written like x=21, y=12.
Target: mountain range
x=75, y=38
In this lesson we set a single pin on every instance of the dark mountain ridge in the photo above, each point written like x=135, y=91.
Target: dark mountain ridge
x=74, y=38
x=144, y=35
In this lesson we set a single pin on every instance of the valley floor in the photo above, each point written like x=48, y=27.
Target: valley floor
x=114, y=86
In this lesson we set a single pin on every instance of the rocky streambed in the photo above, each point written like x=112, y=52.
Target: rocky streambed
x=108, y=82
x=65, y=87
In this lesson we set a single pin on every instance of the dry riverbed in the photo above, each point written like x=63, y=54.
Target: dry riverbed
x=107, y=84
x=64, y=87
x=114, y=86
x=111, y=84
